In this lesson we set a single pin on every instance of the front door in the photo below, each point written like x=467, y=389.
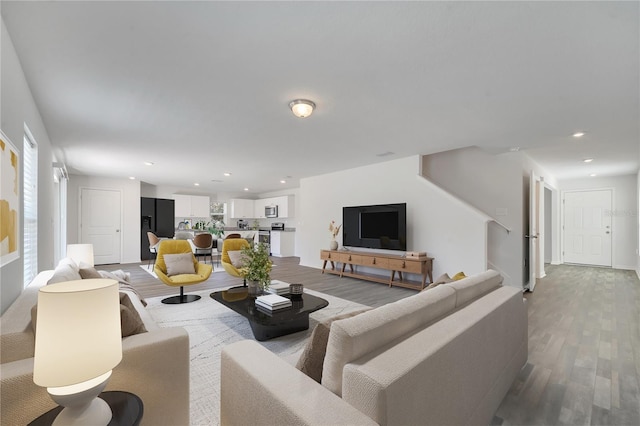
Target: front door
x=100, y=223
x=587, y=227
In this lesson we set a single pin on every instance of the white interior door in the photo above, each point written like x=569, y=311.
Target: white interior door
x=587, y=227
x=100, y=223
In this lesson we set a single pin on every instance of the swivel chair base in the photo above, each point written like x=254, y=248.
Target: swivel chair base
x=182, y=298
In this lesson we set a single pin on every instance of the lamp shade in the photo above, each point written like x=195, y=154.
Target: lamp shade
x=78, y=335
x=81, y=253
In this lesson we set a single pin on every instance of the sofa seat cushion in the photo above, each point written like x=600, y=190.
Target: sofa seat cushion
x=351, y=338
x=473, y=287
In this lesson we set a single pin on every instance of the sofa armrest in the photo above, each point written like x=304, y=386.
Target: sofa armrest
x=21, y=400
x=154, y=366
x=278, y=394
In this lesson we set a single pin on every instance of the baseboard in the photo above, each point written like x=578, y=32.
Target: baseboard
x=626, y=268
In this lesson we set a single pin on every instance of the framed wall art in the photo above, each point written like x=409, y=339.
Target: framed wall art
x=9, y=201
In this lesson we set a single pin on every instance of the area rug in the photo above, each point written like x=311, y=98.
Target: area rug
x=211, y=326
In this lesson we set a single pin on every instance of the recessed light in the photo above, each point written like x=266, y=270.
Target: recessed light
x=132, y=177
x=593, y=175
x=283, y=181
x=227, y=174
x=246, y=189
x=148, y=163
x=578, y=134
x=196, y=184
x=588, y=160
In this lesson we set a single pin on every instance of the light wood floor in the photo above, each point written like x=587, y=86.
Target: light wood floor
x=584, y=339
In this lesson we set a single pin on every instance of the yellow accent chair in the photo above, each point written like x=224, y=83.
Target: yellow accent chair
x=233, y=244
x=201, y=273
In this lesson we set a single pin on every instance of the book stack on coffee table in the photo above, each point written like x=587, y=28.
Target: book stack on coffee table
x=278, y=287
x=271, y=303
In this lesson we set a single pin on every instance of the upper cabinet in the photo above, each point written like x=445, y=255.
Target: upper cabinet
x=254, y=209
x=258, y=208
x=286, y=205
x=242, y=209
x=192, y=206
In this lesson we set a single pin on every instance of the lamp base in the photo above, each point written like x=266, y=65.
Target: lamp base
x=81, y=402
x=97, y=412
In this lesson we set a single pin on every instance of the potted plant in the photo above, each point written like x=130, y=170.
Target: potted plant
x=216, y=228
x=257, y=267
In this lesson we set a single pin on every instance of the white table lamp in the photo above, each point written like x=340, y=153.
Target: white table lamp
x=81, y=253
x=78, y=343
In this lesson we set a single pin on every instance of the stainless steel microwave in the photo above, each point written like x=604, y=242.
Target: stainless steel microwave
x=271, y=211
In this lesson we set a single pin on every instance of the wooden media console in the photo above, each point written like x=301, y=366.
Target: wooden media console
x=393, y=263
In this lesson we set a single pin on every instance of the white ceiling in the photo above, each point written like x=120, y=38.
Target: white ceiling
x=200, y=88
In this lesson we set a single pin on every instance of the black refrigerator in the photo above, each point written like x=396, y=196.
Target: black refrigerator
x=158, y=216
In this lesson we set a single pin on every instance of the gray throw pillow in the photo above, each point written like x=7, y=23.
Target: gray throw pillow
x=312, y=358
x=181, y=263
x=236, y=258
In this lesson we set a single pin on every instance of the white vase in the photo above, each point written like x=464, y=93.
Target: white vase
x=333, y=245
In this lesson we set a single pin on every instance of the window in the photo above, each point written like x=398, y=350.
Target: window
x=30, y=220
x=218, y=211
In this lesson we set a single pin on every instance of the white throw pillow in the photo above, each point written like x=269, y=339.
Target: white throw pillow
x=65, y=272
x=181, y=263
x=236, y=258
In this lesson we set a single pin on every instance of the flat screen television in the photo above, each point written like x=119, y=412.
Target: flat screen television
x=382, y=226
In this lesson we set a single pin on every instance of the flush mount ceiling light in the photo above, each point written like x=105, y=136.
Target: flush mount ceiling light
x=588, y=160
x=227, y=174
x=578, y=134
x=302, y=108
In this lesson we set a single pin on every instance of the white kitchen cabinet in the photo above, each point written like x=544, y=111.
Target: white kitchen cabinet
x=200, y=206
x=282, y=243
x=258, y=208
x=242, y=209
x=286, y=205
x=192, y=206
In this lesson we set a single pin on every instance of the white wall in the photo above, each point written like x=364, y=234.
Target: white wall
x=17, y=109
x=130, y=247
x=493, y=184
x=638, y=223
x=624, y=225
x=436, y=223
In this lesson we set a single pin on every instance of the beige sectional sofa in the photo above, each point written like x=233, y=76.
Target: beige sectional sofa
x=154, y=366
x=447, y=355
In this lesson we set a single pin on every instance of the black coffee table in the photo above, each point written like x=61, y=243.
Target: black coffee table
x=267, y=326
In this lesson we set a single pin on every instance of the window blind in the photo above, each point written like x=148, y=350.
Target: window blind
x=30, y=190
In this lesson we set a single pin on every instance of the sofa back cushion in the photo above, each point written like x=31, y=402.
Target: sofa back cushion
x=473, y=287
x=351, y=338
